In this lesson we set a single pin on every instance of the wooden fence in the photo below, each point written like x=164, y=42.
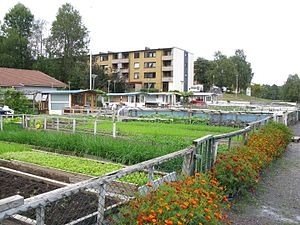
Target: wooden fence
x=197, y=158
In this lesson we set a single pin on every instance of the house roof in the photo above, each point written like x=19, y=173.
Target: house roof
x=10, y=77
x=125, y=94
x=67, y=92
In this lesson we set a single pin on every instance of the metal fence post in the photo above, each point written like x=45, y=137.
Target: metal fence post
x=229, y=143
x=74, y=125
x=40, y=215
x=95, y=127
x=57, y=123
x=101, y=204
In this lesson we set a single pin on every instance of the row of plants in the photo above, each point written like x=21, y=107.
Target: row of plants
x=239, y=169
x=120, y=150
x=197, y=199
x=162, y=118
x=24, y=153
x=202, y=199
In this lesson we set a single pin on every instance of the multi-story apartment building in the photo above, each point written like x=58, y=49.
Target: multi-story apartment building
x=165, y=69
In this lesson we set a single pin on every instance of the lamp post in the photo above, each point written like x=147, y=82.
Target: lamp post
x=115, y=85
x=108, y=86
x=236, y=85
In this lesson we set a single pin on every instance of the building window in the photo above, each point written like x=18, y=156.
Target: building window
x=136, y=65
x=150, y=54
x=149, y=85
x=149, y=64
x=136, y=55
x=103, y=58
x=150, y=75
x=115, y=56
x=136, y=75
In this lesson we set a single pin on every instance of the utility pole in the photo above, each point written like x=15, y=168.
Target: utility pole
x=236, y=85
x=91, y=69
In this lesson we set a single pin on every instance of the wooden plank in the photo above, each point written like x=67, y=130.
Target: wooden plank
x=11, y=202
x=34, y=177
x=24, y=219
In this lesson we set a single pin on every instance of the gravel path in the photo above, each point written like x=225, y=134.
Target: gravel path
x=276, y=200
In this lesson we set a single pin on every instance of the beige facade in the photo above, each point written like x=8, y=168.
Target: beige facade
x=149, y=68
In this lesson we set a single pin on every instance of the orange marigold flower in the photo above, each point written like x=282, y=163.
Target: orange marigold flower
x=203, y=181
x=169, y=222
x=160, y=211
x=178, y=214
x=206, y=210
x=150, y=185
x=208, y=218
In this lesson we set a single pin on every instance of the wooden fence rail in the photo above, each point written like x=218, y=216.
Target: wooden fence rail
x=198, y=158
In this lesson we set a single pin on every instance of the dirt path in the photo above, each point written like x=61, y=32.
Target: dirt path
x=277, y=198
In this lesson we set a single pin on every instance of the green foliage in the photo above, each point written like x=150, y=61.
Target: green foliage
x=67, y=44
x=222, y=71
x=14, y=43
x=149, y=90
x=266, y=91
x=291, y=89
x=17, y=101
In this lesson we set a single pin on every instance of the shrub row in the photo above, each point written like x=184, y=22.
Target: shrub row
x=202, y=199
x=240, y=168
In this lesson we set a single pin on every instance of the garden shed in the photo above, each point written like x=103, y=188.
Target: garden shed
x=71, y=101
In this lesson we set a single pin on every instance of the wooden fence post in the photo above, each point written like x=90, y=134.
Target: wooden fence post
x=216, y=145
x=23, y=120
x=151, y=174
x=101, y=204
x=229, y=143
x=188, y=165
x=57, y=123
x=95, y=127
x=40, y=215
x=114, y=129
x=74, y=125
x=1, y=122
x=45, y=123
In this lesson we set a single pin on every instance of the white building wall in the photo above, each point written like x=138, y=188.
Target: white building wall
x=178, y=68
x=30, y=90
x=191, y=70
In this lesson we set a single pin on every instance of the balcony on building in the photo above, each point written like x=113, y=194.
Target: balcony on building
x=120, y=57
x=167, y=76
x=167, y=65
x=167, y=54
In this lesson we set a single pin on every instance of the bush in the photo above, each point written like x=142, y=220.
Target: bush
x=239, y=169
x=194, y=200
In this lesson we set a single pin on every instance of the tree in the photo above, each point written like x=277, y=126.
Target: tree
x=243, y=68
x=14, y=42
x=68, y=42
x=201, y=69
x=291, y=89
x=17, y=101
x=37, y=39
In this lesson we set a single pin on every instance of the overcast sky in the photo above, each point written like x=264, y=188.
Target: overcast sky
x=267, y=30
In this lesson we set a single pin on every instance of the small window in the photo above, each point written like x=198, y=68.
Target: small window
x=103, y=58
x=149, y=64
x=136, y=75
x=150, y=54
x=149, y=85
x=136, y=55
x=136, y=65
x=150, y=75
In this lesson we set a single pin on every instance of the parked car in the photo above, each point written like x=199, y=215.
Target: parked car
x=5, y=110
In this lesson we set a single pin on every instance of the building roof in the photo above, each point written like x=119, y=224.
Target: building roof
x=67, y=92
x=125, y=94
x=10, y=77
x=142, y=50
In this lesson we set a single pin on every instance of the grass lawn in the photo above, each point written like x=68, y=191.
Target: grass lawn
x=242, y=97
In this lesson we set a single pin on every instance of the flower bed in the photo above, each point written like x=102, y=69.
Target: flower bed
x=201, y=199
x=197, y=198
x=239, y=169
